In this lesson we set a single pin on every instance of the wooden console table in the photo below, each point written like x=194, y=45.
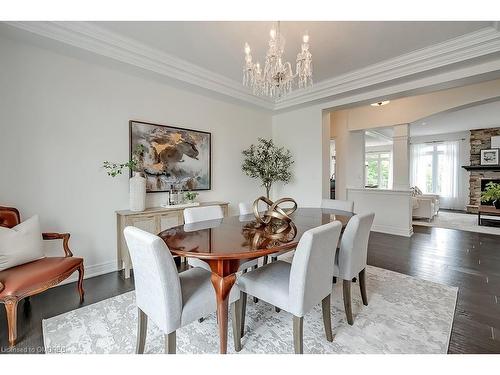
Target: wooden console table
x=153, y=220
x=486, y=210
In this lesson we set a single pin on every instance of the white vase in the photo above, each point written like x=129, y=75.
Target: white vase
x=137, y=192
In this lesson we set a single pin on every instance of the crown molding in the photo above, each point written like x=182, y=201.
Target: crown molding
x=98, y=40
x=106, y=43
x=472, y=45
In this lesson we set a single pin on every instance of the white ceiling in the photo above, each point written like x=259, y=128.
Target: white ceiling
x=353, y=61
x=486, y=115
x=337, y=47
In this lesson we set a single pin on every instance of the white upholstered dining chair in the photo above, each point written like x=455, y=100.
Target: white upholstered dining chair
x=246, y=208
x=198, y=214
x=171, y=300
x=299, y=286
x=350, y=258
x=337, y=204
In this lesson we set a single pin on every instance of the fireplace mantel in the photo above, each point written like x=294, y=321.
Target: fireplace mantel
x=495, y=168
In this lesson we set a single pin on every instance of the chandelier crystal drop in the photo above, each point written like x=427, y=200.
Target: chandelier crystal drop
x=277, y=79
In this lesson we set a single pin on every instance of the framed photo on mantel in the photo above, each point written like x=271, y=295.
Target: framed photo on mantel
x=490, y=157
x=173, y=156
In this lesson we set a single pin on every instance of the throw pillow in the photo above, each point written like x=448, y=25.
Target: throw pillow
x=21, y=244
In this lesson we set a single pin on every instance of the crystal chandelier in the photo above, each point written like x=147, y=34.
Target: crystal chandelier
x=277, y=78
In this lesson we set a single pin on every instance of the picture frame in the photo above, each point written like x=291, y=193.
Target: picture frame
x=490, y=156
x=174, y=157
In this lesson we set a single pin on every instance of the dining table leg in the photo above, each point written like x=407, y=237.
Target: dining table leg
x=222, y=286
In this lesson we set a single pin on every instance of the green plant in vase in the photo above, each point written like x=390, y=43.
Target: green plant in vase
x=137, y=184
x=134, y=164
x=190, y=196
x=491, y=193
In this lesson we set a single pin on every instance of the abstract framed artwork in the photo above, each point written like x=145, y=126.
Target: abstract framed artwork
x=173, y=156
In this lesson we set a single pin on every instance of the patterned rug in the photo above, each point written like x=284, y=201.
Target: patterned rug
x=405, y=315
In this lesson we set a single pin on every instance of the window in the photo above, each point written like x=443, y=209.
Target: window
x=378, y=170
x=434, y=168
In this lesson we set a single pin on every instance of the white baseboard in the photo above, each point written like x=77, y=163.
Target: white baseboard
x=389, y=229
x=92, y=271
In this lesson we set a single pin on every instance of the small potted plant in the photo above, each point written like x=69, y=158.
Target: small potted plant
x=137, y=181
x=190, y=196
x=492, y=193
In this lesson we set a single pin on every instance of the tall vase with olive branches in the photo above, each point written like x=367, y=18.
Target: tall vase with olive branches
x=268, y=163
x=137, y=183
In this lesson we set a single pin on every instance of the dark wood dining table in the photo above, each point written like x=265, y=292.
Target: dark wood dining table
x=227, y=243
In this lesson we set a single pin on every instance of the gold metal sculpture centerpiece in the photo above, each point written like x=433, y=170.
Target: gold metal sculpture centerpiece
x=274, y=211
x=272, y=227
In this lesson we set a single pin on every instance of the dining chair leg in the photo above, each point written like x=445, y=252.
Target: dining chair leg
x=334, y=280
x=255, y=299
x=274, y=259
x=201, y=320
x=235, y=317
x=243, y=311
x=277, y=309
x=347, y=301
x=298, y=334
x=170, y=343
x=362, y=286
x=327, y=317
x=142, y=328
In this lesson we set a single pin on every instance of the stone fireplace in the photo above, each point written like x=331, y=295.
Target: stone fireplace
x=480, y=139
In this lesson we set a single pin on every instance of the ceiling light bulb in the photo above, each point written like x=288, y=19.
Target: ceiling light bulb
x=379, y=104
x=247, y=48
x=272, y=33
x=305, y=38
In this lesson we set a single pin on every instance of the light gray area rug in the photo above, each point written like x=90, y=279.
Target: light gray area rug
x=458, y=220
x=405, y=315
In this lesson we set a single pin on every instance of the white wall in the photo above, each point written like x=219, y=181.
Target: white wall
x=303, y=132
x=61, y=117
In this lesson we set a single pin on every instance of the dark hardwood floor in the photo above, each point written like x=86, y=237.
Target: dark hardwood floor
x=470, y=261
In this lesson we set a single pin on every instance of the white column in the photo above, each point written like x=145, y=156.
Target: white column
x=400, y=158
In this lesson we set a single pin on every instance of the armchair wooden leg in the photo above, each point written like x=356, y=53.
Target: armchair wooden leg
x=170, y=343
x=347, y=301
x=327, y=317
x=142, y=328
x=362, y=286
x=81, y=291
x=236, y=316
x=11, y=310
x=298, y=334
x=243, y=311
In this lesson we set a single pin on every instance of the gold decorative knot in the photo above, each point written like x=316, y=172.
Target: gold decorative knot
x=274, y=211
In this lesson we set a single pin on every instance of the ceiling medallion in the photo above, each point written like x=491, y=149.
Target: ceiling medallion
x=277, y=77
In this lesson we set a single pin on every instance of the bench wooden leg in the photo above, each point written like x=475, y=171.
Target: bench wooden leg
x=81, y=291
x=11, y=309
